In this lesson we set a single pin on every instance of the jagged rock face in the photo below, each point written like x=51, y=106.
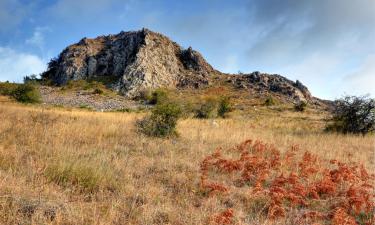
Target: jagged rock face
x=140, y=60
x=146, y=60
x=263, y=82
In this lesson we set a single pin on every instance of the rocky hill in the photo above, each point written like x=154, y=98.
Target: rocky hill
x=144, y=59
x=137, y=60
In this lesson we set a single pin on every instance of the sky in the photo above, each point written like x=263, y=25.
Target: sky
x=329, y=45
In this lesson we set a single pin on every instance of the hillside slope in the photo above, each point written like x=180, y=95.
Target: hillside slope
x=61, y=166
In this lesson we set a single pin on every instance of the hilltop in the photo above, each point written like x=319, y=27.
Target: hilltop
x=134, y=61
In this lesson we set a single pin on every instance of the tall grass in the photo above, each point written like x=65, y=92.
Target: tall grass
x=82, y=167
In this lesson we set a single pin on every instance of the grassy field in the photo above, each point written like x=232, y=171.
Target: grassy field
x=61, y=166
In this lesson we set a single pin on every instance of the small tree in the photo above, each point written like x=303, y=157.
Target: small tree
x=162, y=122
x=352, y=114
x=33, y=79
x=224, y=107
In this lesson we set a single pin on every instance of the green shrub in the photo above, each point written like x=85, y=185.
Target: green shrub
x=187, y=108
x=300, y=106
x=269, y=101
x=157, y=97
x=98, y=91
x=84, y=106
x=353, y=114
x=7, y=88
x=162, y=122
x=26, y=93
x=224, y=107
x=207, y=110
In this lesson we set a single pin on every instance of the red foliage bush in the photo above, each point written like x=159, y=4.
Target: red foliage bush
x=291, y=182
x=223, y=218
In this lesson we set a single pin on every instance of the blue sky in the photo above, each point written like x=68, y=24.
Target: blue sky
x=327, y=44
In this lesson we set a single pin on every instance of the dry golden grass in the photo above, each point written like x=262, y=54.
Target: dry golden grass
x=80, y=167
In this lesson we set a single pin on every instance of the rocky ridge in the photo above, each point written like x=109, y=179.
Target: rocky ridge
x=144, y=59
x=139, y=60
x=266, y=83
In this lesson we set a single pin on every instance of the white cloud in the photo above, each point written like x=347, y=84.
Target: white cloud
x=37, y=39
x=15, y=65
x=316, y=41
x=362, y=81
x=315, y=71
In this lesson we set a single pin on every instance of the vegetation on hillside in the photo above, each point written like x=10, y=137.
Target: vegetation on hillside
x=162, y=121
x=224, y=107
x=208, y=109
x=300, y=106
x=353, y=114
x=24, y=93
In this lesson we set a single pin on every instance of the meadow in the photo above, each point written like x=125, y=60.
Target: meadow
x=72, y=166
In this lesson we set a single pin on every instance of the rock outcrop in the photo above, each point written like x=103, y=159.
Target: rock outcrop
x=263, y=82
x=145, y=60
x=137, y=60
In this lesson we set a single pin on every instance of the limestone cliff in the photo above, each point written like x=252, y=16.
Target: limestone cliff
x=137, y=60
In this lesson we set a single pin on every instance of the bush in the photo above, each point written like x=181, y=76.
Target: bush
x=224, y=107
x=269, y=101
x=300, y=106
x=26, y=93
x=7, y=88
x=162, y=121
x=98, y=91
x=353, y=114
x=157, y=97
x=207, y=109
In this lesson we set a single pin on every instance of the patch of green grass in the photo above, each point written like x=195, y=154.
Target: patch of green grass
x=269, y=101
x=158, y=96
x=84, y=106
x=86, y=176
x=224, y=107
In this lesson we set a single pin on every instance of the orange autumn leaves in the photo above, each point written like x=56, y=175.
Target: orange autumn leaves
x=290, y=182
